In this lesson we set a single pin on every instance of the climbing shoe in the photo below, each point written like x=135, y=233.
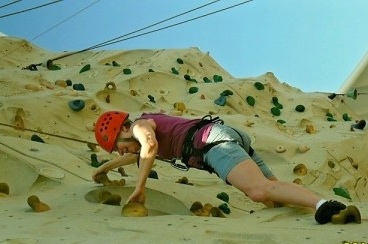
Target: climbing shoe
x=325, y=212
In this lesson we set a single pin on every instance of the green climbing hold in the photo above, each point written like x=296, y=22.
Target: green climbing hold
x=69, y=82
x=346, y=117
x=220, y=101
x=36, y=138
x=179, y=60
x=54, y=67
x=300, y=108
x=193, y=89
x=225, y=208
x=85, y=68
x=279, y=105
x=275, y=111
x=223, y=196
x=174, y=71
x=206, y=80
x=114, y=63
x=187, y=77
x=330, y=117
x=275, y=102
x=226, y=93
x=127, y=71
x=250, y=100
x=151, y=98
x=151, y=70
x=94, y=161
x=217, y=78
x=51, y=66
x=281, y=121
x=258, y=85
x=342, y=192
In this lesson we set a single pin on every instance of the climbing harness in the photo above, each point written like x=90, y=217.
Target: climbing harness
x=189, y=150
x=188, y=147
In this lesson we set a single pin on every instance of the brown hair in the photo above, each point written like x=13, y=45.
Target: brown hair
x=127, y=123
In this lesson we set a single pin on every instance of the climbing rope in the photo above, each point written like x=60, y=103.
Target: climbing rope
x=26, y=10
x=49, y=134
x=33, y=67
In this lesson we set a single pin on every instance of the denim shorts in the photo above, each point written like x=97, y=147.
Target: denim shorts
x=224, y=156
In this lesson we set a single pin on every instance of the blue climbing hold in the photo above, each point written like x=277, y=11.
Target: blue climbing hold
x=77, y=105
x=359, y=125
x=221, y=101
x=78, y=87
x=153, y=174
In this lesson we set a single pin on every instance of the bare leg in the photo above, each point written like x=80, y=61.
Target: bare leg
x=248, y=178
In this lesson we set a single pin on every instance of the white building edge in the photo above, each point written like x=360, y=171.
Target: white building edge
x=358, y=80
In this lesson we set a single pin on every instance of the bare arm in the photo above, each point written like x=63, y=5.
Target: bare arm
x=143, y=130
x=126, y=159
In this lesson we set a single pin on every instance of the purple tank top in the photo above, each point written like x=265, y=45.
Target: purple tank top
x=170, y=134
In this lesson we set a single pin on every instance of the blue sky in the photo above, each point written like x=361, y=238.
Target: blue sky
x=313, y=45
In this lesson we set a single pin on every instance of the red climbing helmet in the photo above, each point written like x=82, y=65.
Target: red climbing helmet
x=107, y=128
